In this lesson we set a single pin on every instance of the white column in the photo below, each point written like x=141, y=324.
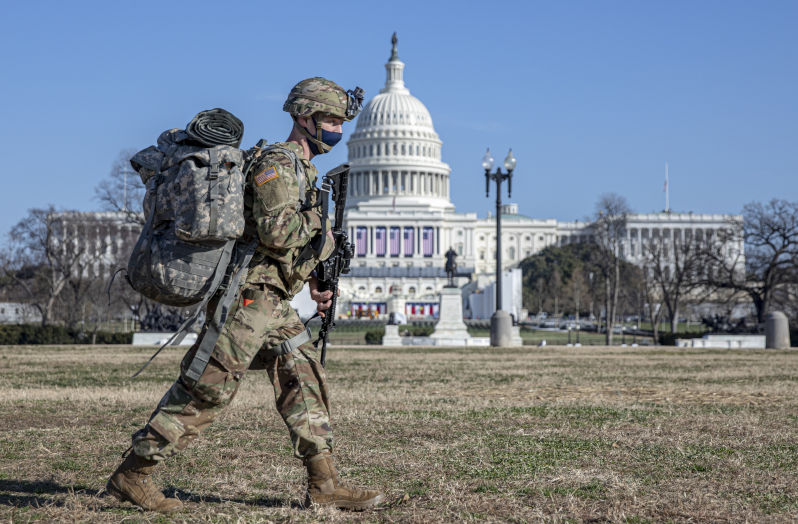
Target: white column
x=370, y=240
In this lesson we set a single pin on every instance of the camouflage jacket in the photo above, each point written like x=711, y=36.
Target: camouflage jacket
x=271, y=210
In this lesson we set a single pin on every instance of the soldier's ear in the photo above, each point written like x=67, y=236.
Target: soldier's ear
x=304, y=121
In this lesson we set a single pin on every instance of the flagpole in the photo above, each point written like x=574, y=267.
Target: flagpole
x=667, y=191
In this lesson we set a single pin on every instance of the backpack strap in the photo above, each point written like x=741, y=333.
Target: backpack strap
x=182, y=331
x=288, y=346
x=299, y=169
x=213, y=190
x=197, y=366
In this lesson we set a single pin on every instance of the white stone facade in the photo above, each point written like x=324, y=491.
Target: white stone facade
x=398, y=211
x=642, y=229
x=18, y=313
x=105, y=239
x=402, y=221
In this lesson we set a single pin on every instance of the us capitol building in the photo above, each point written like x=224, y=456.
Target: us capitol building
x=402, y=221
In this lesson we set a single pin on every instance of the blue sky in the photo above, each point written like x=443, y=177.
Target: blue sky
x=593, y=96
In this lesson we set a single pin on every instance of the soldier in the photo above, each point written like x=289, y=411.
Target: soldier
x=262, y=331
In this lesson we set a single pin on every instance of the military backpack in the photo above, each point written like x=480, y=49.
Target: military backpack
x=191, y=244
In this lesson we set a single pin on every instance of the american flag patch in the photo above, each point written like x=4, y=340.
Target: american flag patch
x=264, y=176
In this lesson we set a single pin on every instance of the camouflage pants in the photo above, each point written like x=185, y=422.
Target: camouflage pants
x=259, y=320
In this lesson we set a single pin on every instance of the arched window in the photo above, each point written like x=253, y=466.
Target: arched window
x=378, y=290
x=411, y=291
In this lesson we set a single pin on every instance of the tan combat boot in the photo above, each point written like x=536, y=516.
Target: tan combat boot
x=325, y=489
x=131, y=482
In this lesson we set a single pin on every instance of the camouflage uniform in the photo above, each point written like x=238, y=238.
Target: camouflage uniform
x=260, y=319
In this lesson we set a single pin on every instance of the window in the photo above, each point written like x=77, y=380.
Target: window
x=362, y=240
x=511, y=253
x=395, y=236
x=380, y=240
x=411, y=291
x=410, y=240
x=427, y=241
x=378, y=290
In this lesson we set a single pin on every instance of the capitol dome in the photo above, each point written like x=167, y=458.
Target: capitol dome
x=394, y=152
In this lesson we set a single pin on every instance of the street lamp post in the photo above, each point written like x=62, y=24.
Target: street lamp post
x=500, y=322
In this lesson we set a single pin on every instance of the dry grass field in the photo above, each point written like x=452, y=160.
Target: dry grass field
x=556, y=434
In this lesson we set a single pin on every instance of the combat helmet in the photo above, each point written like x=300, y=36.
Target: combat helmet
x=319, y=95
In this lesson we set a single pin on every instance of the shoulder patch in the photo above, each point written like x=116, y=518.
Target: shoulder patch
x=265, y=176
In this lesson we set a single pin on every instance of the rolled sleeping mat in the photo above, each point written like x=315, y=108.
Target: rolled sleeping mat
x=216, y=127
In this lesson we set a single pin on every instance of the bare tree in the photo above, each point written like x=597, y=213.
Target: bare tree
x=674, y=266
x=653, y=299
x=578, y=290
x=555, y=289
x=609, y=230
x=539, y=287
x=122, y=191
x=40, y=259
x=769, y=263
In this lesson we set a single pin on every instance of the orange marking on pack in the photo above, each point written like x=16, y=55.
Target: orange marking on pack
x=248, y=301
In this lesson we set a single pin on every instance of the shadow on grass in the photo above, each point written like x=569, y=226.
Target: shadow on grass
x=20, y=493
x=34, y=492
x=267, y=502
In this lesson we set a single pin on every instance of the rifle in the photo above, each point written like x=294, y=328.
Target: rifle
x=328, y=271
